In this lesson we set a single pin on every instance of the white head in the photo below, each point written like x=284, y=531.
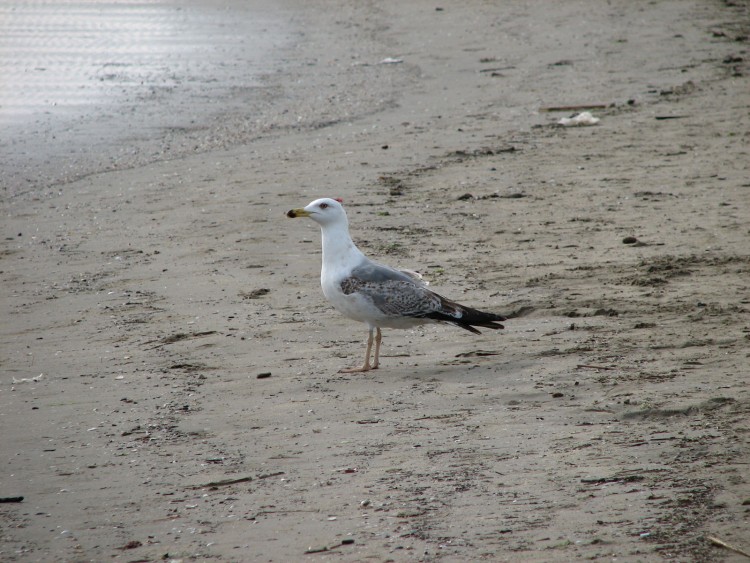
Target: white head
x=324, y=211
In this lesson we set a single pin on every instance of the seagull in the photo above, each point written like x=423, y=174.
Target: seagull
x=375, y=294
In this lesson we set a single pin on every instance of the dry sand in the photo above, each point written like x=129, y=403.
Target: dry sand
x=610, y=420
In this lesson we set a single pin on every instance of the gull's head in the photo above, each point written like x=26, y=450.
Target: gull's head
x=324, y=211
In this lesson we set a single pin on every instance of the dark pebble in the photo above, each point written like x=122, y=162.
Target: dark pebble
x=264, y=375
x=629, y=240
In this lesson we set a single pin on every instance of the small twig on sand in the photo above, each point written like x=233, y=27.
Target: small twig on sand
x=267, y=475
x=320, y=549
x=725, y=545
x=615, y=479
x=477, y=353
x=587, y=366
x=325, y=548
x=573, y=108
x=223, y=482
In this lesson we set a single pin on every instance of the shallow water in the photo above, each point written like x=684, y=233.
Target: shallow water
x=87, y=85
x=67, y=55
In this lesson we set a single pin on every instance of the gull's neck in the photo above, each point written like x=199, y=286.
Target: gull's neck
x=339, y=251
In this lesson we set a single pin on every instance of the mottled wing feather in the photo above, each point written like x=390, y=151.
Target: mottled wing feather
x=394, y=293
x=397, y=293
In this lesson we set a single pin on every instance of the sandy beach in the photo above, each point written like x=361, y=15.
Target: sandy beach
x=170, y=386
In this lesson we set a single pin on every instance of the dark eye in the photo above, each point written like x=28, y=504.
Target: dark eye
x=323, y=205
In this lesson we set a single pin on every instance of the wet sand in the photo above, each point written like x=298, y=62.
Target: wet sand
x=91, y=87
x=170, y=385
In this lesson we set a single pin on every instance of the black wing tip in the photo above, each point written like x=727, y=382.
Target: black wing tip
x=482, y=319
x=469, y=318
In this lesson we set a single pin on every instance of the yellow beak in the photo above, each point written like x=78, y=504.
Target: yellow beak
x=292, y=213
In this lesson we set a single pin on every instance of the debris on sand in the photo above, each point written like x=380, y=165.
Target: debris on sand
x=581, y=119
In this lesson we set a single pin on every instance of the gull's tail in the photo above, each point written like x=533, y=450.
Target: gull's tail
x=466, y=317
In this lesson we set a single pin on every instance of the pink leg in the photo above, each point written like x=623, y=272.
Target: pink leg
x=366, y=366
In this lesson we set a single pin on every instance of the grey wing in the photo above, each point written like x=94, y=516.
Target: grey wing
x=370, y=271
x=394, y=292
